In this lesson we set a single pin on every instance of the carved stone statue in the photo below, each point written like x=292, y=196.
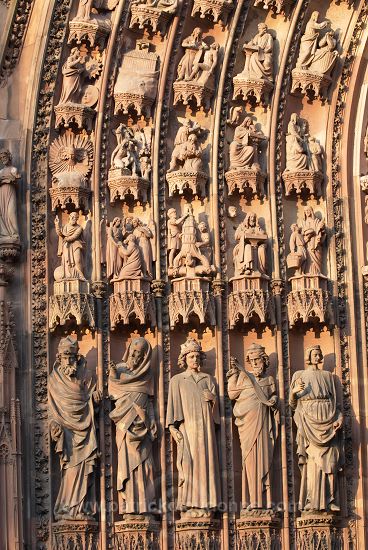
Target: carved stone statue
x=183, y=145
x=204, y=68
x=144, y=235
x=306, y=244
x=174, y=233
x=9, y=175
x=72, y=395
x=190, y=261
x=193, y=46
x=317, y=54
x=250, y=251
x=243, y=148
x=296, y=153
x=71, y=159
x=131, y=387
x=192, y=413
x=257, y=419
x=85, y=7
x=70, y=248
x=72, y=71
x=314, y=400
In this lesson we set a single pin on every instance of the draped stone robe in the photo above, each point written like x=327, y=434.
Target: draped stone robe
x=197, y=458
x=319, y=445
x=257, y=420
x=71, y=407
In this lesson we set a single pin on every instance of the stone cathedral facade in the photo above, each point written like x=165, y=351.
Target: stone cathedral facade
x=183, y=274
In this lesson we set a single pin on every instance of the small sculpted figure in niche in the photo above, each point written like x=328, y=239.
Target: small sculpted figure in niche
x=190, y=260
x=144, y=235
x=192, y=414
x=72, y=396
x=318, y=418
x=174, y=233
x=260, y=66
x=130, y=252
x=306, y=244
x=194, y=46
x=85, y=7
x=257, y=419
x=186, y=149
x=315, y=151
x=303, y=152
x=72, y=74
x=168, y=6
x=245, y=261
x=70, y=248
x=317, y=54
x=205, y=241
x=243, y=149
x=9, y=176
x=125, y=155
x=131, y=387
x=204, y=68
x=71, y=160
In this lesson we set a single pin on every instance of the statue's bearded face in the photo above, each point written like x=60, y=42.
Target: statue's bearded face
x=68, y=364
x=257, y=363
x=193, y=360
x=136, y=354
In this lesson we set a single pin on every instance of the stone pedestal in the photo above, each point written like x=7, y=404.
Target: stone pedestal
x=9, y=249
x=197, y=533
x=249, y=297
x=81, y=116
x=94, y=31
x=124, y=186
x=258, y=530
x=214, y=10
x=139, y=533
x=309, y=300
x=318, y=531
x=191, y=296
x=75, y=535
x=255, y=91
x=246, y=182
x=310, y=83
x=146, y=17
x=303, y=182
x=72, y=299
x=132, y=299
x=76, y=197
x=186, y=92
x=181, y=181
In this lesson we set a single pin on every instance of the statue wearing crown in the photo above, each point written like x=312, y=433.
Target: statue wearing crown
x=192, y=415
x=72, y=396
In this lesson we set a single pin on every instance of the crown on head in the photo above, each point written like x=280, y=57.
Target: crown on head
x=190, y=345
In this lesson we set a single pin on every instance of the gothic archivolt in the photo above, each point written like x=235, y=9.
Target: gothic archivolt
x=183, y=275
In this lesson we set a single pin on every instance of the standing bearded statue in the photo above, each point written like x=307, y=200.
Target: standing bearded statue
x=257, y=419
x=131, y=387
x=192, y=413
x=319, y=447
x=72, y=396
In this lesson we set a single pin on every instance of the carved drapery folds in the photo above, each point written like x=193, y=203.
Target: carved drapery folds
x=309, y=298
x=9, y=232
x=255, y=83
x=317, y=58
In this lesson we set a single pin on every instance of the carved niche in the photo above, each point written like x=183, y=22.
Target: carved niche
x=152, y=15
x=309, y=299
x=79, y=93
x=249, y=295
x=303, y=174
x=72, y=298
x=129, y=261
x=190, y=268
x=317, y=58
x=91, y=24
x=276, y=6
x=245, y=175
x=213, y=10
x=136, y=94
x=186, y=173
x=130, y=171
x=9, y=232
x=255, y=83
x=195, y=81
x=70, y=162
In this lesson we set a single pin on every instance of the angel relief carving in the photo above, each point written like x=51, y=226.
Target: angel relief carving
x=79, y=94
x=130, y=253
x=255, y=82
x=196, y=70
x=186, y=171
x=190, y=257
x=130, y=171
x=70, y=162
x=317, y=58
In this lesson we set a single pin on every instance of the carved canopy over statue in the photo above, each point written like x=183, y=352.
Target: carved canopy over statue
x=9, y=176
x=192, y=415
x=257, y=419
x=72, y=396
x=314, y=400
x=131, y=387
x=249, y=253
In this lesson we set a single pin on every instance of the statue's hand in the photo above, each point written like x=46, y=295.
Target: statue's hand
x=97, y=397
x=55, y=431
x=153, y=429
x=337, y=424
x=208, y=396
x=177, y=435
x=299, y=387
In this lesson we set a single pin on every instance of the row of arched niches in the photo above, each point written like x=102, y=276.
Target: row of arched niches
x=198, y=373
